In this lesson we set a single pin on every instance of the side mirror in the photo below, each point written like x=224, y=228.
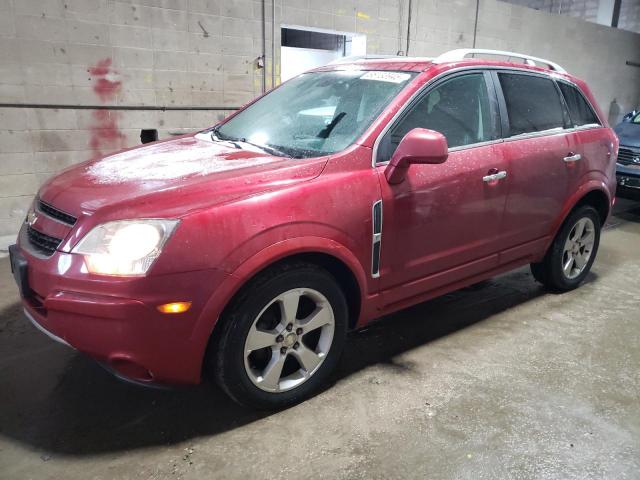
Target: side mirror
x=418, y=146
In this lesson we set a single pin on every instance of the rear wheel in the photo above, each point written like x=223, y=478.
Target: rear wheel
x=281, y=338
x=573, y=251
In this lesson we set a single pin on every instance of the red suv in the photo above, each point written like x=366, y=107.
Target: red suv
x=250, y=249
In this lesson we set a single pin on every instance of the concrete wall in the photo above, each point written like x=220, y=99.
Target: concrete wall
x=599, y=11
x=183, y=53
x=630, y=15
x=584, y=9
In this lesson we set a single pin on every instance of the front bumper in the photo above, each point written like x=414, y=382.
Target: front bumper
x=115, y=320
x=35, y=323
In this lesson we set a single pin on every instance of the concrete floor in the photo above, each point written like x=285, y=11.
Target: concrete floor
x=501, y=380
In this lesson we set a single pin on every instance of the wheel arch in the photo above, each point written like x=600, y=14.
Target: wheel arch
x=598, y=200
x=545, y=270
x=595, y=193
x=334, y=257
x=337, y=267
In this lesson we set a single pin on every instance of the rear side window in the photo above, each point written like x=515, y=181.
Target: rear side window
x=579, y=109
x=533, y=103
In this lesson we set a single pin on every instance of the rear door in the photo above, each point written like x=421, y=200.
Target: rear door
x=537, y=142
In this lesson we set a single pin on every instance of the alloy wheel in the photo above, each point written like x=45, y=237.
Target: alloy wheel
x=289, y=340
x=578, y=248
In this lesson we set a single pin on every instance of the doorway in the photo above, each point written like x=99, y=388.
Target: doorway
x=304, y=48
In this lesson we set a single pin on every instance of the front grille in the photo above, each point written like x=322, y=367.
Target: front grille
x=626, y=156
x=56, y=214
x=42, y=243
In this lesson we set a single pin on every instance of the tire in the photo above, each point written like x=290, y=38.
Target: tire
x=260, y=315
x=583, y=225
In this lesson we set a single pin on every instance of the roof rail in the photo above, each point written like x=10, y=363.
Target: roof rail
x=355, y=58
x=462, y=53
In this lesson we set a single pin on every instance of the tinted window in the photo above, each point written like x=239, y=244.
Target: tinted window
x=533, y=103
x=458, y=108
x=579, y=109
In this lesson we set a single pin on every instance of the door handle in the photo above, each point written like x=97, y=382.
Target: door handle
x=573, y=157
x=495, y=176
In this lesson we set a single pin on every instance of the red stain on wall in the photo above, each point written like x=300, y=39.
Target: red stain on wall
x=105, y=133
x=105, y=80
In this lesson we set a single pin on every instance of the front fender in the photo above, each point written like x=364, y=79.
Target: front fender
x=298, y=245
x=261, y=260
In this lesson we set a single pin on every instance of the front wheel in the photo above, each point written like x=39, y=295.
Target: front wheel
x=281, y=337
x=573, y=251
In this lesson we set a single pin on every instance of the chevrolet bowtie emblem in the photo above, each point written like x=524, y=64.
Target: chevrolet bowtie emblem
x=31, y=218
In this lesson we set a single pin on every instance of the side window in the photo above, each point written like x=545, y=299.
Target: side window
x=533, y=103
x=579, y=109
x=458, y=108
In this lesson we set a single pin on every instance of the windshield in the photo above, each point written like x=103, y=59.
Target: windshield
x=315, y=113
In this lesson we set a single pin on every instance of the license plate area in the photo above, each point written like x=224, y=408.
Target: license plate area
x=629, y=182
x=19, y=269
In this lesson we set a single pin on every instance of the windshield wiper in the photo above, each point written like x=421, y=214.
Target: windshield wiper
x=266, y=148
x=236, y=142
x=216, y=136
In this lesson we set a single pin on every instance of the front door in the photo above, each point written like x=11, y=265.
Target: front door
x=442, y=223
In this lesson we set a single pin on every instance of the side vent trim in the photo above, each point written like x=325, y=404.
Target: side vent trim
x=376, y=217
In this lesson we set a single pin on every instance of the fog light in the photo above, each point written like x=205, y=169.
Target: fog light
x=175, y=307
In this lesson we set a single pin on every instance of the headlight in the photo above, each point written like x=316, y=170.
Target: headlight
x=125, y=247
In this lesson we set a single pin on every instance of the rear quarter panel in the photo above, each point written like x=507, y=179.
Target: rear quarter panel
x=599, y=150
x=596, y=171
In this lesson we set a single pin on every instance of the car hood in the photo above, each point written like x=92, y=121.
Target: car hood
x=629, y=134
x=172, y=178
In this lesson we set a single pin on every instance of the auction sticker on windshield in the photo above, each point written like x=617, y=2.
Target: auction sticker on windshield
x=391, y=77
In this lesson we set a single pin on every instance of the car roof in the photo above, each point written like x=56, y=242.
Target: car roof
x=414, y=64
x=452, y=59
